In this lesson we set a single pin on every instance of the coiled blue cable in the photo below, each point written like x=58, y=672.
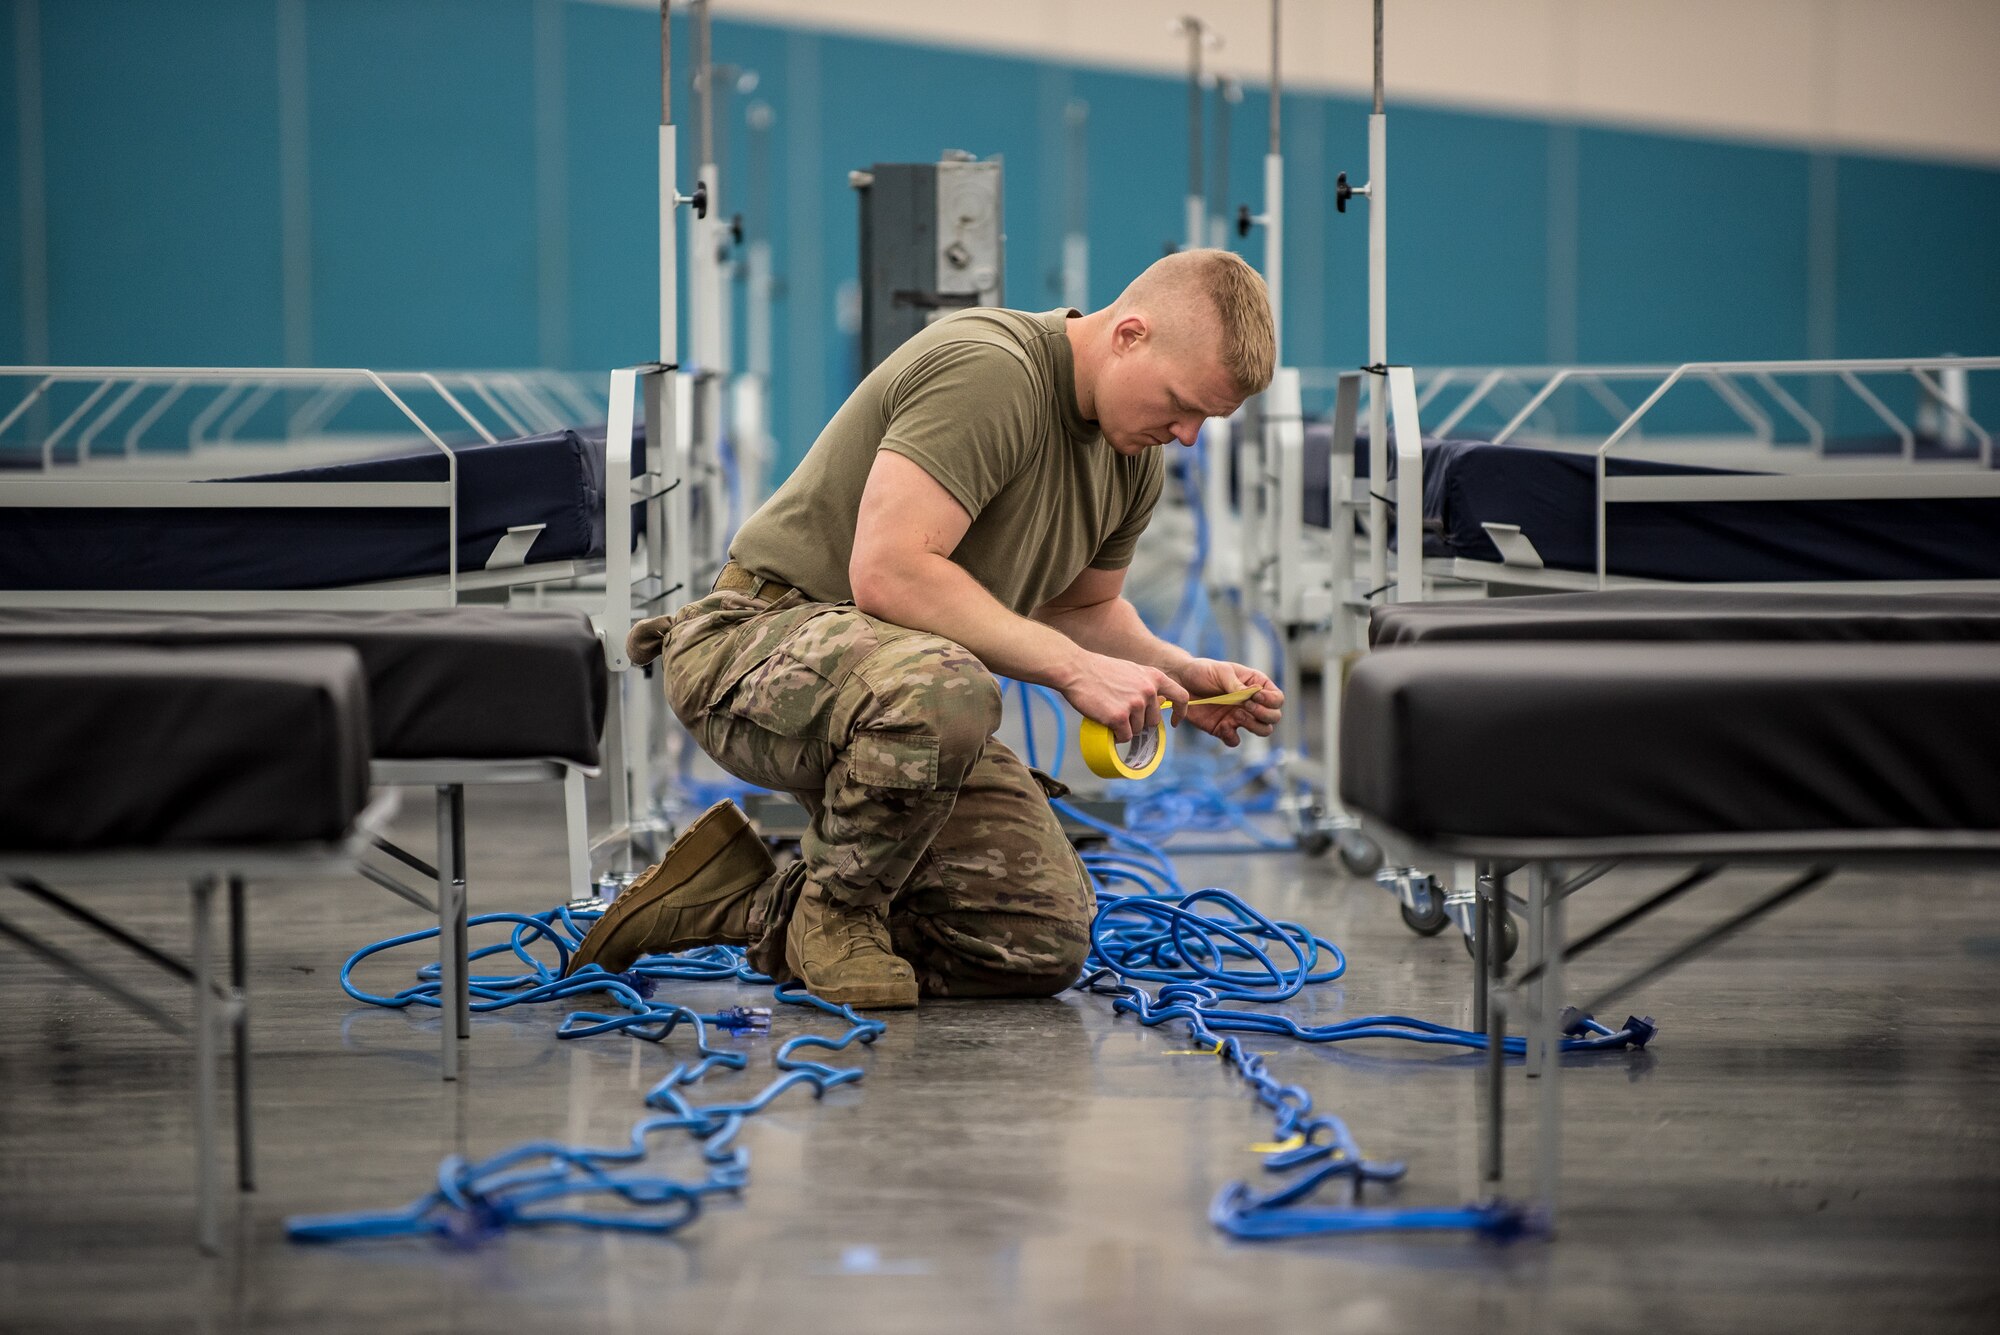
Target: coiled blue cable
x=537, y=1183
x=1209, y=948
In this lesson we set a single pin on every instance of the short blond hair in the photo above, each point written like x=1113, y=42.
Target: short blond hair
x=1235, y=293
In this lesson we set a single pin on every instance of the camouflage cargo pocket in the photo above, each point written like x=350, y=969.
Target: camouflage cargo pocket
x=893, y=760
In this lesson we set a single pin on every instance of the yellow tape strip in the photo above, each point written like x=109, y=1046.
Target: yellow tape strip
x=1143, y=753
x=1278, y=1146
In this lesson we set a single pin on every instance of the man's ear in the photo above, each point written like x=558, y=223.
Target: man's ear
x=1130, y=331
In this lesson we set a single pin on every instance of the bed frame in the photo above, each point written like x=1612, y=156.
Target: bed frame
x=631, y=581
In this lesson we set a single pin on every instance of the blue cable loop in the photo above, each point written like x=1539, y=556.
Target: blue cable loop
x=1207, y=949
x=544, y=1183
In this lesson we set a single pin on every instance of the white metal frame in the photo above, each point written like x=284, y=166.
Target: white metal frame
x=1557, y=870
x=1307, y=587
x=219, y=1003
x=635, y=584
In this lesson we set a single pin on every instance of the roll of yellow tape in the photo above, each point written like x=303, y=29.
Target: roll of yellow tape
x=1141, y=757
x=1143, y=754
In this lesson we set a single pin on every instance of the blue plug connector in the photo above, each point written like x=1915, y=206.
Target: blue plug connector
x=744, y=1019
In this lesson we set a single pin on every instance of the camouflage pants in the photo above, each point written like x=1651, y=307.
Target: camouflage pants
x=884, y=735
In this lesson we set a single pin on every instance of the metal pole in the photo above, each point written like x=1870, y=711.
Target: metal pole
x=704, y=258
x=1378, y=327
x=1227, y=91
x=1277, y=76
x=669, y=200
x=207, y=1229
x=1479, y=998
x=704, y=84
x=1548, y=1153
x=1274, y=202
x=451, y=964
x=461, y=944
x=1076, y=232
x=1196, y=207
x=760, y=118
x=239, y=981
x=1492, y=924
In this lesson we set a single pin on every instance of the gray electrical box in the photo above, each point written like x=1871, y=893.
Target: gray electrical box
x=931, y=243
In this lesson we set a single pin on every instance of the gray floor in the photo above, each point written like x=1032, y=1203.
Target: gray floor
x=1810, y=1145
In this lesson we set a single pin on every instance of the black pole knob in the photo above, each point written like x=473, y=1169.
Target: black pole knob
x=736, y=229
x=1243, y=220
x=1342, y=192
x=700, y=199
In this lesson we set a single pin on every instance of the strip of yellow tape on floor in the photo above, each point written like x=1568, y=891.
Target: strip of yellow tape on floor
x=1143, y=754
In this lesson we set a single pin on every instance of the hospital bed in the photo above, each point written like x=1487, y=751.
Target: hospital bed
x=1820, y=478
x=255, y=764
x=1561, y=759
x=351, y=526
x=455, y=696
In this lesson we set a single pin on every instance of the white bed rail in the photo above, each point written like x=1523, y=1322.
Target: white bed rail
x=1964, y=475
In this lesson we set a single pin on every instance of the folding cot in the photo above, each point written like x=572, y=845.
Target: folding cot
x=1568, y=757
x=458, y=696
x=212, y=763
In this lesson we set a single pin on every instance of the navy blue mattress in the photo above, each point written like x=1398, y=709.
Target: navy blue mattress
x=556, y=480
x=1552, y=495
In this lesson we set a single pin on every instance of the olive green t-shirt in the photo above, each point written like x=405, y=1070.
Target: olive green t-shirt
x=984, y=400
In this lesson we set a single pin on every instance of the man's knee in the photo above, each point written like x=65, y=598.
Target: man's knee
x=991, y=954
x=1066, y=966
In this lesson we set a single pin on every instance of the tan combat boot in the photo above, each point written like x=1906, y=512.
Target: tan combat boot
x=841, y=954
x=701, y=894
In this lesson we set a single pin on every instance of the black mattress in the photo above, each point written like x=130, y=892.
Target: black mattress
x=1693, y=614
x=450, y=683
x=110, y=749
x=556, y=480
x=1552, y=496
x=1551, y=749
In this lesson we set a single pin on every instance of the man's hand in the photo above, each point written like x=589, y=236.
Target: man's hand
x=1124, y=697
x=1210, y=676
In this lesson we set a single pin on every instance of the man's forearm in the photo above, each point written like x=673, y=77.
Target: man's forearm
x=936, y=594
x=1114, y=627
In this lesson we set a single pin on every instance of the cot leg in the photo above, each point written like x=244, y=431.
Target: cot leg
x=1538, y=997
x=239, y=982
x=576, y=811
x=1491, y=895
x=207, y=1230
x=461, y=938
x=1548, y=1155
x=614, y=770
x=451, y=958
x=1479, y=882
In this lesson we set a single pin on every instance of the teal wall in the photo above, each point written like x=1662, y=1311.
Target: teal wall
x=480, y=193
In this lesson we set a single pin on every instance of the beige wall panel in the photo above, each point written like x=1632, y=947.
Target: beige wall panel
x=1900, y=76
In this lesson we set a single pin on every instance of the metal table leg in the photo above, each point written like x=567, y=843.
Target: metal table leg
x=207, y=1229
x=1479, y=882
x=239, y=981
x=451, y=959
x=461, y=937
x=1538, y=998
x=1492, y=895
x=1548, y=1155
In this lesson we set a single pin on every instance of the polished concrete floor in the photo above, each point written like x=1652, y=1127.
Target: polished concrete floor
x=1812, y=1144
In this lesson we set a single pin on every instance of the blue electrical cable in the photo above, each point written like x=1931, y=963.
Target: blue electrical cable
x=537, y=1184
x=1210, y=953
x=1208, y=949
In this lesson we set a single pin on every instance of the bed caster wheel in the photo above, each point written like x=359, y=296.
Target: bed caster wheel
x=1428, y=922
x=1314, y=843
x=1510, y=939
x=1360, y=855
